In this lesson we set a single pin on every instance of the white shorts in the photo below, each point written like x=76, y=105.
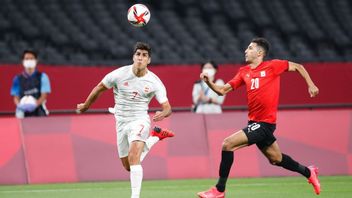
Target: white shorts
x=128, y=132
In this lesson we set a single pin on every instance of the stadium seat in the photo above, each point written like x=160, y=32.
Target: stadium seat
x=98, y=31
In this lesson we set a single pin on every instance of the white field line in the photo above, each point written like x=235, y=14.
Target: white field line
x=69, y=189
x=147, y=187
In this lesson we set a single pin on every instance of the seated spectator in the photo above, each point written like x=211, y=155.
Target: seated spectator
x=30, y=88
x=206, y=100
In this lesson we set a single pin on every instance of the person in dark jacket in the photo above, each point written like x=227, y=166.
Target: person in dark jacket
x=30, y=88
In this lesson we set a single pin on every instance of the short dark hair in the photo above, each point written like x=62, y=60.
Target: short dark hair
x=263, y=43
x=29, y=51
x=211, y=62
x=142, y=46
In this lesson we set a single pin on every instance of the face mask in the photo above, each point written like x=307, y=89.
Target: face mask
x=210, y=72
x=29, y=64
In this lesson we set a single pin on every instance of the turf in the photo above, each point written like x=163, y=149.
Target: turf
x=280, y=187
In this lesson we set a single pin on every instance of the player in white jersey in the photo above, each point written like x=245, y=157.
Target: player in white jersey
x=134, y=86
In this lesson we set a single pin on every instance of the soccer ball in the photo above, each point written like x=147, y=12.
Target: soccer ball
x=27, y=104
x=138, y=15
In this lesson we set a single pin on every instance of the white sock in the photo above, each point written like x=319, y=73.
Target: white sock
x=136, y=177
x=151, y=141
x=148, y=145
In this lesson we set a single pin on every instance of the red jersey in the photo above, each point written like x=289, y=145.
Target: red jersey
x=263, y=88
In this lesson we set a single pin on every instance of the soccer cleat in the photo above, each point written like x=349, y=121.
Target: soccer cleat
x=313, y=179
x=161, y=133
x=211, y=193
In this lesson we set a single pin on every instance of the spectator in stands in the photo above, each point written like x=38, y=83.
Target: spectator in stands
x=134, y=86
x=262, y=80
x=206, y=100
x=30, y=88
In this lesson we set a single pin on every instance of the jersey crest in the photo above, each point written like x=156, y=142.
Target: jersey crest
x=262, y=74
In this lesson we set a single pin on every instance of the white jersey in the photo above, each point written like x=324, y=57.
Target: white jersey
x=132, y=94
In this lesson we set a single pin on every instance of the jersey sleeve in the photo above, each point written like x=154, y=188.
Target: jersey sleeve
x=15, y=88
x=45, y=84
x=111, y=79
x=279, y=66
x=160, y=92
x=236, y=81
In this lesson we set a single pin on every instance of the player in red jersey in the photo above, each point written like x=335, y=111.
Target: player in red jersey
x=262, y=81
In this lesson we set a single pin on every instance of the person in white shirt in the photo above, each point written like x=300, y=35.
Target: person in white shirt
x=134, y=86
x=206, y=100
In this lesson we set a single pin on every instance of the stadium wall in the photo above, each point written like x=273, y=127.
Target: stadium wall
x=72, y=84
x=76, y=148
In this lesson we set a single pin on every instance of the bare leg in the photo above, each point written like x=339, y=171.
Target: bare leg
x=275, y=157
x=125, y=163
x=235, y=141
x=135, y=152
x=273, y=153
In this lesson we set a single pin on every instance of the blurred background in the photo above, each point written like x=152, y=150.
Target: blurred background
x=80, y=41
x=90, y=32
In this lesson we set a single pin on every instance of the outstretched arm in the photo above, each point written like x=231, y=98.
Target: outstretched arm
x=94, y=94
x=219, y=89
x=312, y=89
x=166, y=112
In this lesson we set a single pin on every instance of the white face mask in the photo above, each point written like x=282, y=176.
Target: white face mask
x=209, y=71
x=29, y=64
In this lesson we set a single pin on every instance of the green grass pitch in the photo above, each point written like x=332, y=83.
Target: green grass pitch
x=278, y=187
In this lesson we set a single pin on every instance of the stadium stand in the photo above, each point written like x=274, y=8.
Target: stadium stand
x=88, y=32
